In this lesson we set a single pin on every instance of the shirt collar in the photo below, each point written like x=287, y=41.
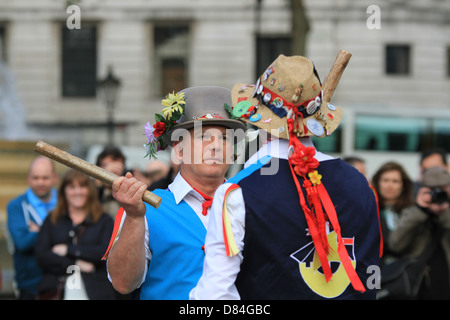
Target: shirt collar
x=35, y=201
x=40, y=206
x=180, y=188
x=278, y=148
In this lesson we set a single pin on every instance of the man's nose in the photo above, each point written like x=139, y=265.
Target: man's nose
x=216, y=143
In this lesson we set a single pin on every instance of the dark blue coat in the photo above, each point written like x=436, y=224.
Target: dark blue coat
x=278, y=252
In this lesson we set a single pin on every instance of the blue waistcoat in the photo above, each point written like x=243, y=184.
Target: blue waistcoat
x=278, y=251
x=176, y=238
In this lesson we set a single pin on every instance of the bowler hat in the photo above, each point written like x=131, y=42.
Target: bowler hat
x=204, y=105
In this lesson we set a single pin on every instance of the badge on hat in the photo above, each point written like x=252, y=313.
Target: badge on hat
x=289, y=83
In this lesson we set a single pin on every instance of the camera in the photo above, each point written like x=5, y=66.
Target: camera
x=438, y=196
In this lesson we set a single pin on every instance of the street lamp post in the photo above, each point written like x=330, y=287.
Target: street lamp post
x=108, y=88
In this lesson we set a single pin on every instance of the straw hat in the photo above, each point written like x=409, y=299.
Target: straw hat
x=290, y=85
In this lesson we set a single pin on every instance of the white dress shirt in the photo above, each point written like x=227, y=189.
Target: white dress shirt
x=181, y=190
x=219, y=270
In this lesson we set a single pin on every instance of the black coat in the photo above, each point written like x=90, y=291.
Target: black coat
x=92, y=242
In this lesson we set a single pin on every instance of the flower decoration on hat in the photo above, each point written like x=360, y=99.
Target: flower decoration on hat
x=174, y=103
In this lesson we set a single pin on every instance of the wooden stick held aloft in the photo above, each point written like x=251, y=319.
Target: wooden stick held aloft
x=87, y=168
x=336, y=71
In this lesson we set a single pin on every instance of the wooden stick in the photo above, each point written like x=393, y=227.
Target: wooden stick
x=87, y=168
x=336, y=71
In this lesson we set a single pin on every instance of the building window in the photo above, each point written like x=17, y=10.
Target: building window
x=79, y=61
x=2, y=44
x=441, y=134
x=398, y=59
x=173, y=75
x=329, y=144
x=388, y=133
x=268, y=49
x=382, y=133
x=171, y=43
x=448, y=61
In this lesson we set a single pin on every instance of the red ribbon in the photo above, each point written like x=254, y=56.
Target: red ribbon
x=313, y=228
x=116, y=228
x=321, y=209
x=316, y=224
x=286, y=103
x=207, y=203
x=343, y=254
x=224, y=229
x=379, y=223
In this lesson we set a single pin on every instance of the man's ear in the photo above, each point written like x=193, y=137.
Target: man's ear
x=177, y=152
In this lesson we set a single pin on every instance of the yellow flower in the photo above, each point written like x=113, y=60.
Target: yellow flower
x=315, y=177
x=173, y=102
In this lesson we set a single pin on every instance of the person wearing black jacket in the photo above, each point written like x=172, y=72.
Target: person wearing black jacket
x=425, y=227
x=74, y=237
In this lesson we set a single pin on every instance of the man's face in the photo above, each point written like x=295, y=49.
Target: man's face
x=434, y=160
x=113, y=165
x=42, y=179
x=206, y=151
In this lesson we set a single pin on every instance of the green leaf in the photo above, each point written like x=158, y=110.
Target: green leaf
x=159, y=118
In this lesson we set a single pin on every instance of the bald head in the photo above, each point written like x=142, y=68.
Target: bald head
x=42, y=177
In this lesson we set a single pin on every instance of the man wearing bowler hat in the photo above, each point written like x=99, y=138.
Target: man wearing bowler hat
x=161, y=251
x=295, y=223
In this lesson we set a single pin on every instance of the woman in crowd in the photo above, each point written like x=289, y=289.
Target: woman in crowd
x=395, y=192
x=73, y=238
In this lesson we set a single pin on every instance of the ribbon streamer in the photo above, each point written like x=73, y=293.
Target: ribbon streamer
x=230, y=243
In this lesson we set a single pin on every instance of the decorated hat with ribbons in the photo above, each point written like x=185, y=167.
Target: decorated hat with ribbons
x=206, y=105
x=289, y=88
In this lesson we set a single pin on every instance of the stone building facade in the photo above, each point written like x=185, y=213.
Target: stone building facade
x=398, y=75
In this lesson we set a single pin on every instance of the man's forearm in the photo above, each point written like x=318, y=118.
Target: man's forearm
x=126, y=263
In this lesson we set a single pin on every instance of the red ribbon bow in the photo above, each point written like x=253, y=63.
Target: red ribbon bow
x=207, y=203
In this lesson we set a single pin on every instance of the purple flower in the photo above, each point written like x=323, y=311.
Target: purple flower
x=148, y=129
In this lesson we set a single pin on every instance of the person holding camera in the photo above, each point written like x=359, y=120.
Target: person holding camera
x=426, y=226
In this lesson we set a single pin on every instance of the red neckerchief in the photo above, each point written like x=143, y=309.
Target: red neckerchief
x=208, y=200
x=207, y=203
